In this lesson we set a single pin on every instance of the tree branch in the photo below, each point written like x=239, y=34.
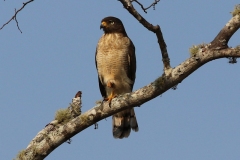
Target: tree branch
x=155, y=29
x=14, y=17
x=221, y=40
x=145, y=9
x=56, y=133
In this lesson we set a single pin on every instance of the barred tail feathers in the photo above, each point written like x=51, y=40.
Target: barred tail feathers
x=123, y=122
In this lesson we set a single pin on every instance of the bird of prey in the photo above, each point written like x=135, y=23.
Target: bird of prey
x=116, y=66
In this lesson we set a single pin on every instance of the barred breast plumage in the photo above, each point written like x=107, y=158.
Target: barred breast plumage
x=116, y=66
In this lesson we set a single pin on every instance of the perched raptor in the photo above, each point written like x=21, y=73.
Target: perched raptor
x=116, y=67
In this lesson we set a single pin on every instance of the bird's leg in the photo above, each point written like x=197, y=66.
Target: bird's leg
x=112, y=95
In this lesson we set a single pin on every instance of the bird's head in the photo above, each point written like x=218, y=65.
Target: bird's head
x=112, y=25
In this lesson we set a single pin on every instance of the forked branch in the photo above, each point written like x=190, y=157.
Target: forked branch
x=146, y=8
x=221, y=40
x=156, y=29
x=14, y=17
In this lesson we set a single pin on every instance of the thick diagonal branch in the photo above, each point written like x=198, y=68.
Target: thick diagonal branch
x=54, y=135
x=156, y=29
x=221, y=40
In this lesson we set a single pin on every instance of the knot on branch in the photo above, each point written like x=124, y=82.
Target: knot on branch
x=65, y=115
x=75, y=106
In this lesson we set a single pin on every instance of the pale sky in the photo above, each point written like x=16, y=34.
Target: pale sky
x=42, y=69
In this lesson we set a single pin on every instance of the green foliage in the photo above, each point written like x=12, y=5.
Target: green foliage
x=63, y=116
x=193, y=50
x=236, y=10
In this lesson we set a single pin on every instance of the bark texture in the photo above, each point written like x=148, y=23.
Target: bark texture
x=221, y=40
x=55, y=134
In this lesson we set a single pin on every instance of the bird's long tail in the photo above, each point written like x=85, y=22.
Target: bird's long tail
x=123, y=122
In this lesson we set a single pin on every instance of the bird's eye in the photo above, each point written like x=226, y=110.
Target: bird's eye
x=111, y=22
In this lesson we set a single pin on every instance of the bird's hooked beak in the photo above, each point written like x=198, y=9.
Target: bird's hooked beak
x=103, y=25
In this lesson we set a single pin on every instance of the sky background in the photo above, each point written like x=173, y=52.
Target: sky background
x=42, y=69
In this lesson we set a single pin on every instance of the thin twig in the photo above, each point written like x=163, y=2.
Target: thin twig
x=145, y=9
x=156, y=29
x=14, y=17
x=17, y=21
